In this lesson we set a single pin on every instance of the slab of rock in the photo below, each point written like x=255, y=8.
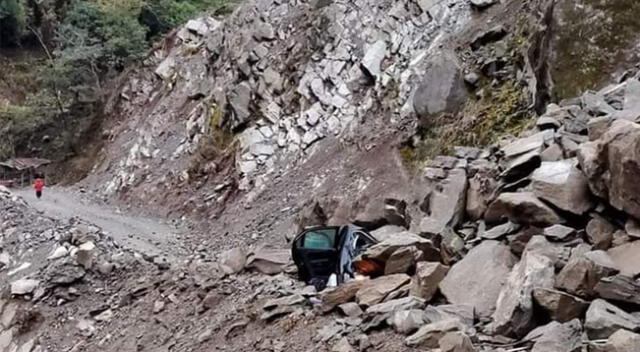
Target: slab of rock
x=429, y=335
x=381, y=212
x=561, y=306
x=240, y=100
x=383, y=250
x=600, y=232
x=24, y=286
x=482, y=189
x=626, y=258
x=603, y=319
x=350, y=309
x=386, y=232
x=455, y=342
x=557, y=337
x=619, y=288
x=406, y=303
x=521, y=208
x=563, y=185
x=375, y=291
x=623, y=341
x=552, y=153
x=581, y=274
x=343, y=346
x=464, y=313
x=612, y=166
x=478, y=278
x=497, y=232
x=524, y=145
x=559, y=232
x=269, y=261
x=373, y=58
x=402, y=260
x=514, y=308
x=342, y=294
x=445, y=204
x=407, y=321
x=428, y=276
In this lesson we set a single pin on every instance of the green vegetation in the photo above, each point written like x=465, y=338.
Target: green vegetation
x=590, y=42
x=59, y=50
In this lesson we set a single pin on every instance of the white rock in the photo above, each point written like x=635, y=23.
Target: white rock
x=24, y=286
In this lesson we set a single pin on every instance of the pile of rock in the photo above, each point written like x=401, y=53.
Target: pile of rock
x=532, y=245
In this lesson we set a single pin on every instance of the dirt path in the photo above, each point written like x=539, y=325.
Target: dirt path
x=148, y=236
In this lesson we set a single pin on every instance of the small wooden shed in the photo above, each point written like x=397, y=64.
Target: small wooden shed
x=20, y=171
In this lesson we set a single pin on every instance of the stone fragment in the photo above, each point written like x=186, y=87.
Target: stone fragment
x=375, y=291
x=350, y=309
x=581, y=274
x=491, y=35
x=269, y=261
x=514, y=308
x=400, y=304
x=373, y=58
x=239, y=100
x=158, y=306
x=383, y=250
x=59, y=252
x=620, y=288
x=500, y=231
x=85, y=254
x=342, y=346
x=482, y=4
x=521, y=208
x=464, y=313
x=445, y=204
x=559, y=232
x=342, y=294
x=24, y=286
x=429, y=335
x=233, y=260
x=603, y=319
x=626, y=259
x=402, y=260
x=600, y=232
x=427, y=278
x=561, y=306
x=455, y=342
x=563, y=185
x=623, y=341
x=478, y=278
x=407, y=321
x=523, y=145
x=429, y=99
x=557, y=337
x=632, y=227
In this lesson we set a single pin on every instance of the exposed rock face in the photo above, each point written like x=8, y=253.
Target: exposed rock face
x=603, y=319
x=522, y=208
x=478, y=278
x=612, y=165
x=563, y=185
x=514, y=307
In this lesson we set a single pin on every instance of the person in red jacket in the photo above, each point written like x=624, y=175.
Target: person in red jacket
x=38, y=185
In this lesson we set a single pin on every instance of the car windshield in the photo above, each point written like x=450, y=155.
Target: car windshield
x=320, y=239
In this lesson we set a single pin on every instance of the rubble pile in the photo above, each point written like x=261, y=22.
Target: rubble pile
x=545, y=259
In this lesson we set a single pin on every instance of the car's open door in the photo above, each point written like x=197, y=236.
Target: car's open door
x=315, y=252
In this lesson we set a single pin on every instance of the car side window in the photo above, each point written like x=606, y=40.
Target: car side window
x=320, y=239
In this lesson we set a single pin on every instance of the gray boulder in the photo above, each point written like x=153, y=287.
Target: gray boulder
x=478, y=279
x=429, y=335
x=455, y=342
x=580, y=276
x=430, y=99
x=563, y=185
x=428, y=276
x=603, y=319
x=600, y=232
x=375, y=291
x=623, y=341
x=445, y=204
x=620, y=288
x=514, y=307
x=557, y=337
x=382, y=251
x=407, y=321
x=521, y=208
x=626, y=259
x=561, y=306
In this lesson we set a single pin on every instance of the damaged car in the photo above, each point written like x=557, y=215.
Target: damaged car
x=328, y=255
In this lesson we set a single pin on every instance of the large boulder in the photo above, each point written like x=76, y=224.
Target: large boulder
x=619, y=288
x=563, y=185
x=375, y=291
x=483, y=186
x=381, y=212
x=455, y=342
x=428, y=276
x=478, y=279
x=447, y=95
x=561, y=306
x=603, y=319
x=269, y=261
x=382, y=251
x=623, y=341
x=600, y=232
x=445, y=204
x=557, y=337
x=580, y=276
x=612, y=166
x=521, y=208
x=514, y=308
x=402, y=260
x=626, y=258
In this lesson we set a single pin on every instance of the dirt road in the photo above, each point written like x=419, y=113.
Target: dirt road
x=151, y=237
